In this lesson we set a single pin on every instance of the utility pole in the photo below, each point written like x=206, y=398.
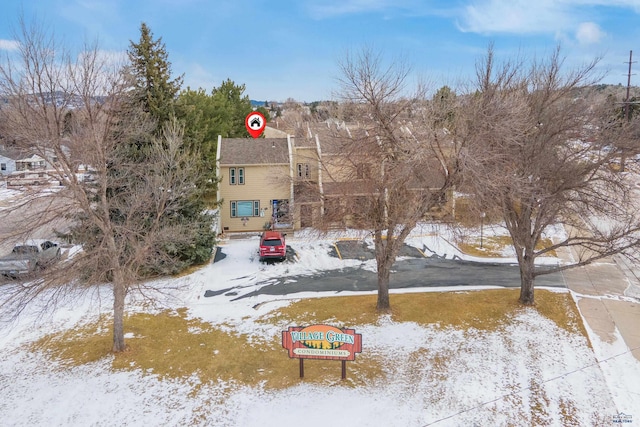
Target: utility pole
x=627, y=110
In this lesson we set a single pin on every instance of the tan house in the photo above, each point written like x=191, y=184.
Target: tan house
x=294, y=182
x=268, y=182
x=255, y=189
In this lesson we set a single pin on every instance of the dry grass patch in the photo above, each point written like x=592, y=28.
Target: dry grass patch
x=468, y=216
x=484, y=310
x=171, y=345
x=569, y=413
x=338, y=311
x=562, y=309
x=78, y=346
x=493, y=246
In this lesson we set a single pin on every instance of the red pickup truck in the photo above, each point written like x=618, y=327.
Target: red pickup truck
x=273, y=246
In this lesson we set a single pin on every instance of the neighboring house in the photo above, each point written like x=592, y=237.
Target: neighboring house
x=21, y=167
x=31, y=163
x=273, y=132
x=15, y=160
x=330, y=185
x=8, y=159
x=307, y=181
x=296, y=182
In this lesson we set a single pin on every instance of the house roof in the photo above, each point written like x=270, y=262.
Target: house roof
x=12, y=153
x=32, y=158
x=250, y=151
x=349, y=188
x=305, y=142
x=271, y=131
x=427, y=174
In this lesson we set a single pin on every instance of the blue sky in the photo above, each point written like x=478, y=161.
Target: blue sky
x=290, y=48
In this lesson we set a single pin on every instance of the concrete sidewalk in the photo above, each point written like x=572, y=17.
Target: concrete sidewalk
x=609, y=291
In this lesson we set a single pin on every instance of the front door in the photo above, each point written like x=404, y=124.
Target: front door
x=281, y=213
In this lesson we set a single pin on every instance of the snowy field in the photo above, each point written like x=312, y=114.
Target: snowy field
x=492, y=378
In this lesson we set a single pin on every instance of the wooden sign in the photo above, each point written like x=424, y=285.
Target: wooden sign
x=322, y=342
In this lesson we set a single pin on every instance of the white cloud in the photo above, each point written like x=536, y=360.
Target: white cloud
x=113, y=57
x=197, y=76
x=328, y=9
x=589, y=33
x=518, y=16
x=8, y=44
x=538, y=17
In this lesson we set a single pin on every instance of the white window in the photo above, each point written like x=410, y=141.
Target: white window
x=245, y=208
x=236, y=176
x=303, y=170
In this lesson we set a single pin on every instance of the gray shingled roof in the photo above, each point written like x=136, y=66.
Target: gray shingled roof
x=12, y=153
x=305, y=142
x=250, y=151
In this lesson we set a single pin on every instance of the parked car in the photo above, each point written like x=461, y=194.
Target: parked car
x=29, y=257
x=28, y=178
x=273, y=246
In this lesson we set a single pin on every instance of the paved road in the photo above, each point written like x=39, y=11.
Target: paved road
x=410, y=273
x=38, y=218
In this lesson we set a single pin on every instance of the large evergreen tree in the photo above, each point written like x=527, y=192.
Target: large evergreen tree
x=154, y=92
x=150, y=70
x=222, y=112
x=231, y=107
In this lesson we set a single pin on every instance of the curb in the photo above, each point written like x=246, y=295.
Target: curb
x=632, y=273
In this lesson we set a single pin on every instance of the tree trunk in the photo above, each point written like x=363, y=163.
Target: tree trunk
x=383, y=287
x=119, y=293
x=527, y=280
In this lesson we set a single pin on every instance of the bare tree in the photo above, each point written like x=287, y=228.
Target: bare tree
x=76, y=113
x=536, y=153
x=383, y=173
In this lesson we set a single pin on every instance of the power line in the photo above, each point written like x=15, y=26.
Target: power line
x=557, y=377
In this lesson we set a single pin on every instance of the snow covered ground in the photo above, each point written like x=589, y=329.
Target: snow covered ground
x=488, y=378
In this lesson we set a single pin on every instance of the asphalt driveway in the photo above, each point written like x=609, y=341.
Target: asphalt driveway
x=407, y=273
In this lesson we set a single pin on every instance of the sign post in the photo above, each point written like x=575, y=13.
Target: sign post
x=323, y=342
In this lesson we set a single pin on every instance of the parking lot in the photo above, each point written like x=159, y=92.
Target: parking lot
x=353, y=270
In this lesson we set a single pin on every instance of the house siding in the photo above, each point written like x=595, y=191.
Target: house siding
x=270, y=168
x=306, y=156
x=10, y=165
x=336, y=169
x=263, y=183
